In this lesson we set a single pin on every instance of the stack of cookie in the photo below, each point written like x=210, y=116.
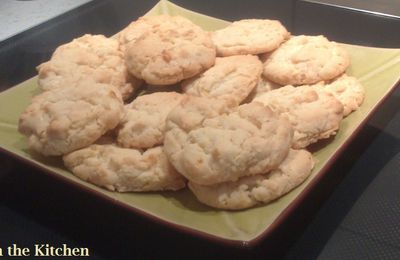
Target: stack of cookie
x=232, y=115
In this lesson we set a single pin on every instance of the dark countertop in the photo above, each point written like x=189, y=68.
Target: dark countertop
x=355, y=216
x=378, y=7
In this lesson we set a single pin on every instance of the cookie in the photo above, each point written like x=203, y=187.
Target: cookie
x=215, y=145
x=62, y=120
x=348, y=90
x=123, y=170
x=143, y=125
x=138, y=28
x=313, y=114
x=263, y=85
x=305, y=60
x=250, y=191
x=171, y=51
x=231, y=78
x=88, y=57
x=249, y=36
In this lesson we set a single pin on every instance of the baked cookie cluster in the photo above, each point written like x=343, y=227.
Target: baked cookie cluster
x=166, y=105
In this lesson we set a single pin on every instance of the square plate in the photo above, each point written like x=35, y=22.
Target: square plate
x=378, y=70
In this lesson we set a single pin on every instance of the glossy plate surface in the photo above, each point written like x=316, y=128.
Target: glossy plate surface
x=377, y=69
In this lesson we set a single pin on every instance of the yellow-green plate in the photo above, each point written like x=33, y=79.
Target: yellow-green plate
x=378, y=70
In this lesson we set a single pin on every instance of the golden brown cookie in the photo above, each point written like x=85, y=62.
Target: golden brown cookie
x=258, y=189
x=92, y=57
x=170, y=51
x=263, y=85
x=313, y=114
x=231, y=78
x=215, y=145
x=143, y=125
x=62, y=120
x=249, y=36
x=348, y=90
x=123, y=170
x=305, y=60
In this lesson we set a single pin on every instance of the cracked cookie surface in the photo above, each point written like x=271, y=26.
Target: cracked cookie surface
x=143, y=125
x=348, y=90
x=170, y=51
x=208, y=143
x=231, y=78
x=249, y=191
x=139, y=27
x=123, y=170
x=305, y=60
x=313, y=114
x=249, y=36
x=59, y=121
x=88, y=57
